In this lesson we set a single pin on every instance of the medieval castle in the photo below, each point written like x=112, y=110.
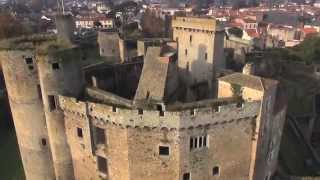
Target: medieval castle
x=156, y=109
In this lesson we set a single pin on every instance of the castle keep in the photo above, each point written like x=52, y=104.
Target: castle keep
x=79, y=115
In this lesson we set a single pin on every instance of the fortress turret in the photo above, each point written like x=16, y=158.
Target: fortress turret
x=200, y=50
x=59, y=74
x=25, y=98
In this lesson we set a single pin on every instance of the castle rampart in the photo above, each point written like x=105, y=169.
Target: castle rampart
x=132, y=140
x=195, y=23
x=153, y=118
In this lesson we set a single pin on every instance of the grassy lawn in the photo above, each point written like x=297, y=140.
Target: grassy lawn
x=293, y=154
x=10, y=161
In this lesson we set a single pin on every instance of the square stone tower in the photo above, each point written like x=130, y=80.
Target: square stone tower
x=200, y=48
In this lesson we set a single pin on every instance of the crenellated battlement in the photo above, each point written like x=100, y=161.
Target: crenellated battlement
x=182, y=119
x=204, y=24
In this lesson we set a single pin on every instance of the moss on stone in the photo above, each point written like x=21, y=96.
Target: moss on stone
x=26, y=42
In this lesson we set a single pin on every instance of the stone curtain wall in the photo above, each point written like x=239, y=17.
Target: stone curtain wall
x=153, y=119
x=133, y=140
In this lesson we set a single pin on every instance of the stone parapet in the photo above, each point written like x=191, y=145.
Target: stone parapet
x=205, y=24
x=157, y=119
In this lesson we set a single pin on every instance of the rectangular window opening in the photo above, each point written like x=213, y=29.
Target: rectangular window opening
x=102, y=165
x=191, y=143
x=186, y=176
x=43, y=142
x=160, y=109
x=198, y=142
x=148, y=95
x=30, y=67
x=39, y=91
x=192, y=112
x=140, y=111
x=205, y=141
x=100, y=136
x=164, y=150
x=114, y=109
x=79, y=132
x=29, y=60
x=186, y=52
x=239, y=105
x=216, y=109
x=55, y=66
x=206, y=56
x=215, y=171
x=52, y=102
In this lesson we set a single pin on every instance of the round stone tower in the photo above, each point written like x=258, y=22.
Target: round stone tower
x=59, y=74
x=25, y=99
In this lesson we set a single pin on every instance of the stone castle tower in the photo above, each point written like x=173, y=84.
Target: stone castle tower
x=23, y=86
x=200, y=48
x=35, y=74
x=79, y=119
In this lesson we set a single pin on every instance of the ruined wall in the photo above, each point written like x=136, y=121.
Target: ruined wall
x=240, y=47
x=227, y=90
x=22, y=83
x=142, y=46
x=224, y=90
x=133, y=139
x=238, y=43
x=109, y=45
x=110, y=78
x=59, y=74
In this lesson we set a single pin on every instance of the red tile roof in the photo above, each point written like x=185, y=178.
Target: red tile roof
x=252, y=32
x=310, y=30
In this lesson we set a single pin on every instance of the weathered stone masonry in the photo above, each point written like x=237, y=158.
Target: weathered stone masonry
x=140, y=135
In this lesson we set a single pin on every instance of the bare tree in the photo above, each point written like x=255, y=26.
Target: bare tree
x=10, y=27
